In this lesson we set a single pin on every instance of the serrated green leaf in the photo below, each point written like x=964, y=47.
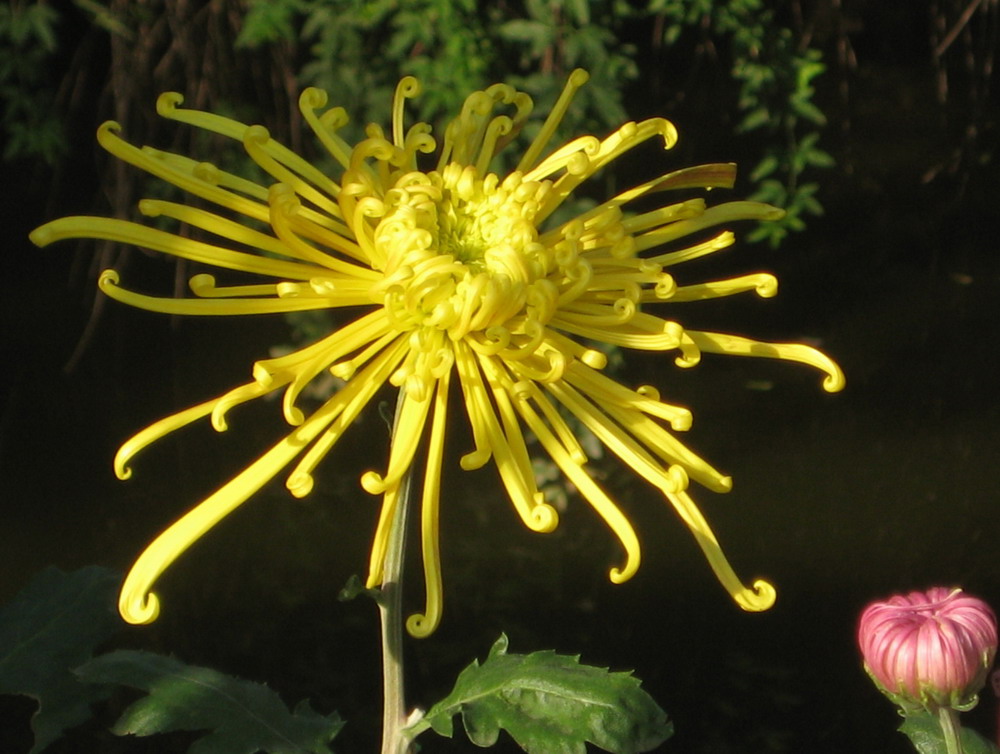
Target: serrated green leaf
x=550, y=704
x=52, y=626
x=924, y=732
x=242, y=717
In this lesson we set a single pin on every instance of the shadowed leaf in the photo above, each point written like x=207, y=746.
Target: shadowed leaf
x=241, y=717
x=52, y=626
x=924, y=732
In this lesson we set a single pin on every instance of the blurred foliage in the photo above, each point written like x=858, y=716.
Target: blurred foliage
x=762, y=60
x=461, y=47
x=458, y=47
x=31, y=125
x=773, y=67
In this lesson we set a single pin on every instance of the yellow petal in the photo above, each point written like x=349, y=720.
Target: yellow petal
x=644, y=332
x=764, y=285
x=185, y=173
x=405, y=439
x=124, y=231
x=325, y=126
x=760, y=597
x=223, y=307
x=590, y=491
x=137, y=603
x=346, y=405
x=617, y=440
x=154, y=432
x=274, y=156
x=722, y=213
x=517, y=476
x=604, y=390
x=669, y=448
x=574, y=81
x=733, y=345
x=423, y=624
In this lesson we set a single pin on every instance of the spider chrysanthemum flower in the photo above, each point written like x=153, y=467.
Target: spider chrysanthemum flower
x=446, y=272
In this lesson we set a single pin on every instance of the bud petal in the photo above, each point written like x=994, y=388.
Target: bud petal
x=928, y=650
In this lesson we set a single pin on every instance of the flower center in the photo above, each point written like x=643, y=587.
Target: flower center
x=462, y=253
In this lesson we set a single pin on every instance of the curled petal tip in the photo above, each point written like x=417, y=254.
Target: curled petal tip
x=201, y=283
x=373, y=483
x=409, y=86
x=421, y=626
x=670, y=135
x=108, y=278
x=688, y=359
x=677, y=477
x=294, y=416
x=621, y=575
x=313, y=98
x=544, y=518
x=108, y=127
x=767, y=287
x=167, y=102
x=835, y=381
x=257, y=135
x=138, y=608
x=122, y=470
x=475, y=459
x=758, y=599
x=218, y=418
x=300, y=484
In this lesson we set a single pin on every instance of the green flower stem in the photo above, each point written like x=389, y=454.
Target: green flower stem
x=952, y=729
x=391, y=614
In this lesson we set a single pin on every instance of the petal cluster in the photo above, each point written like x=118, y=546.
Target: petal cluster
x=442, y=271
x=929, y=649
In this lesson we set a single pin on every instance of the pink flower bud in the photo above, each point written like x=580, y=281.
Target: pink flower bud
x=929, y=650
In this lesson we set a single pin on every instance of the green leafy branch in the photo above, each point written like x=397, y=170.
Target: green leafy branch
x=458, y=46
x=774, y=73
x=549, y=704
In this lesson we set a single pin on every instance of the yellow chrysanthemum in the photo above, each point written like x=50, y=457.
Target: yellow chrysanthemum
x=449, y=273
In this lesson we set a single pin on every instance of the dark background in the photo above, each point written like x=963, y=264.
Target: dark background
x=838, y=499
